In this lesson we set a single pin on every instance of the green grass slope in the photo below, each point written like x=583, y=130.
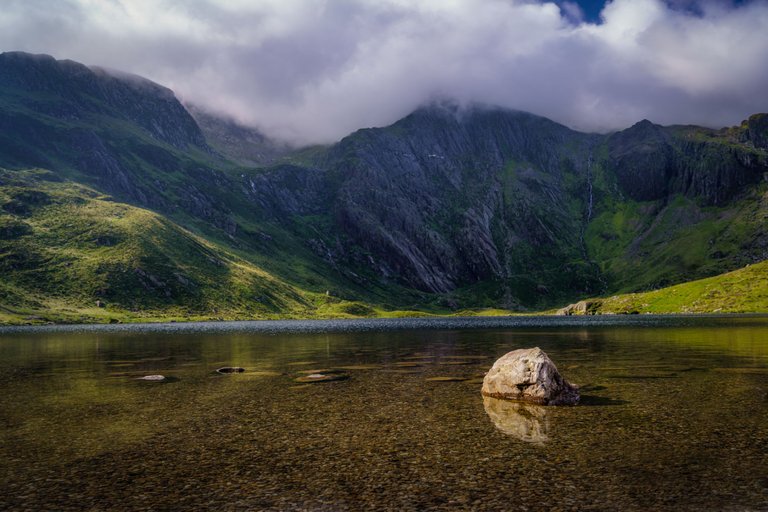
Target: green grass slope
x=650, y=245
x=71, y=254
x=741, y=291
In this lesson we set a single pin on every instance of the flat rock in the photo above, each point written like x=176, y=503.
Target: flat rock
x=529, y=375
x=584, y=307
x=152, y=378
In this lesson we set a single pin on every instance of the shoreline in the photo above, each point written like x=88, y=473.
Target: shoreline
x=389, y=324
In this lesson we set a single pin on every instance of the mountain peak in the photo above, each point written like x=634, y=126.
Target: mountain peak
x=644, y=126
x=74, y=89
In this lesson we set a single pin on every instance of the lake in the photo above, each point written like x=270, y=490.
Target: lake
x=674, y=416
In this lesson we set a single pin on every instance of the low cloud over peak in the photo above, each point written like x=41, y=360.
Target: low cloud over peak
x=309, y=71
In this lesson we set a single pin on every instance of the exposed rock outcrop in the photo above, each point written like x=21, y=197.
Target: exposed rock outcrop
x=654, y=162
x=450, y=196
x=583, y=307
x=529, y=375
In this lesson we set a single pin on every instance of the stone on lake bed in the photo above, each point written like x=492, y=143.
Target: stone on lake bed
x=152, y=378
x=321, y=377
x=529, y=375
x=230, y=369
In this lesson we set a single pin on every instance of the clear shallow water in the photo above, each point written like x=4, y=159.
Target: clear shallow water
x=674, y=417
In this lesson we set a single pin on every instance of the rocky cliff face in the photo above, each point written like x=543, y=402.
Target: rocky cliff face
x=754, y=131
x=448, y=196
x=653, y=162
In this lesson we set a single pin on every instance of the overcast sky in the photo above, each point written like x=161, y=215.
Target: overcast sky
x=315, y=70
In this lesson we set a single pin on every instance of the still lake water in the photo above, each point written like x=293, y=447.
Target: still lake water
x=674, y=416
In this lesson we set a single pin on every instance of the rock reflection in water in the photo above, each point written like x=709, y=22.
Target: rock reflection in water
x=526, y=422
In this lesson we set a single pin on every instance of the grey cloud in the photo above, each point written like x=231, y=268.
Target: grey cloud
x=313, y=71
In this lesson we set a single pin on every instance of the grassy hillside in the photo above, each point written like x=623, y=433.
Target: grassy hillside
x=740, y=291
x=648, y=245
x=71, y=254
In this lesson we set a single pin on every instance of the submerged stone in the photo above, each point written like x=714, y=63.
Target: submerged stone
x=321, y=377
x=529, y=375
x=230, y=369
x=153, y=378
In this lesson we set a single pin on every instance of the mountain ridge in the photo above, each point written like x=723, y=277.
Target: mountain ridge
x=445, y=209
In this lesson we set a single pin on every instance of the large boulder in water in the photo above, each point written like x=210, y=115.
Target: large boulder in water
x=529, y=375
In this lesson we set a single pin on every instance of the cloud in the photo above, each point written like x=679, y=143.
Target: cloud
x=572, y=11
x=313, y=70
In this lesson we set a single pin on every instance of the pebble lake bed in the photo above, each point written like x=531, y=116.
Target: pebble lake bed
x=384, y=415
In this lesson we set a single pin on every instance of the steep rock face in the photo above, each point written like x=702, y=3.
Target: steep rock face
x=288, y=190
x=96, y=159
x=643, y=160
x=757, y=130
x=449, y=196
x=652, y=162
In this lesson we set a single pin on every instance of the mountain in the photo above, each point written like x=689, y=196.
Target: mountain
x=451, y=207
x=447, y=198
x=495, y=207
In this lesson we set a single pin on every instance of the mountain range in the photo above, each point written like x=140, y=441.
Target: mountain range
x=118, y=202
